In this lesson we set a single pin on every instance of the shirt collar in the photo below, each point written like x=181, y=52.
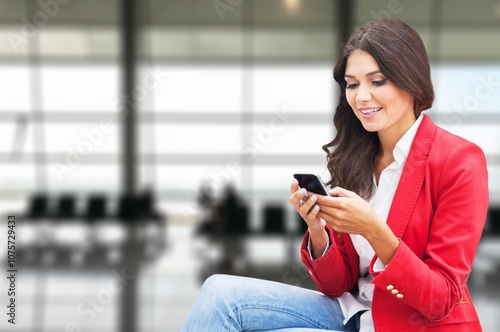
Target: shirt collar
x=403, y=146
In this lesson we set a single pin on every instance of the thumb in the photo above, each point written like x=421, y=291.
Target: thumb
x=341, y=192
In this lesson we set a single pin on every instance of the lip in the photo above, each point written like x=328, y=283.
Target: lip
x=369, y=112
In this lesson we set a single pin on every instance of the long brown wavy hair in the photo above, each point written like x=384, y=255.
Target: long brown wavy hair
x=402, y=59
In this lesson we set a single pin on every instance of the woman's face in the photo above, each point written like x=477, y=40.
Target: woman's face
x=377, y=102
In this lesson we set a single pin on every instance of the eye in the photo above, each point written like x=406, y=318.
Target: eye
x=379, y=82
x=351, y=85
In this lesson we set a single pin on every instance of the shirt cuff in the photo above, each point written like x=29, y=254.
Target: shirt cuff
x=326, y=249
x=378, y=266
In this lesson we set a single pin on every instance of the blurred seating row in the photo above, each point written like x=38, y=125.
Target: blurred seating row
x=53, y=232
x=63, y=207
x=235, y=221
x=273, y=216
x=231, y=216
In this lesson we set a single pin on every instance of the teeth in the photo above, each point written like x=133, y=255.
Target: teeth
x=371, y=111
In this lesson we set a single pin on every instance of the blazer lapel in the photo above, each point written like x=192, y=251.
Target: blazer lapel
x=412, y=178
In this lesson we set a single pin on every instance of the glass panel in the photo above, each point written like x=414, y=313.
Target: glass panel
x=78, y=42
x=15, y=87
x=83, y=88
x=82, y=178
x=464, y=89
x=200, y=89
x=17, y=177
x=11, y=9
x=220, y=43
x=195, y=43
x=475, y=44
x=295, y=89
x=487, y=136
x=13, y=43
x=84, y=138
x=277, y=138
x=194, y=12
x=190, y=178
x=17, y=138
x=191, y=138
x=300, y=44
x=175, y=42
x=406, y=10
x=464, y=11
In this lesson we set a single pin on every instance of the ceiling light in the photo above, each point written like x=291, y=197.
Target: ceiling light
x=292, y=5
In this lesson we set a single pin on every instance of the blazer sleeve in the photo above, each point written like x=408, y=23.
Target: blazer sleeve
x=435, y=284
x=337, y=271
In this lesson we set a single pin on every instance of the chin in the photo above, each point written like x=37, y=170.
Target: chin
x=370, y=127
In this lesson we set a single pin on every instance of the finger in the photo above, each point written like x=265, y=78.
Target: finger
x=329, y=219
x=313, y=213
x=341, y=192
x=296, y=197
x=294, y=186
x=307, y=206
x=329, y=212
x=333, y=202
x=312, y=219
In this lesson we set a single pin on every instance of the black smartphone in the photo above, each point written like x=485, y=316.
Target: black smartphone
x=312, y=183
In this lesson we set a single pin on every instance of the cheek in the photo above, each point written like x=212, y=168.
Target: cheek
x=399, y=101
x=351, y=98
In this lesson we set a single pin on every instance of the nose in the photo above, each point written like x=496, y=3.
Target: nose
x=363, y=95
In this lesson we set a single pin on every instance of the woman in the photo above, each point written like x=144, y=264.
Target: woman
x=392, y=249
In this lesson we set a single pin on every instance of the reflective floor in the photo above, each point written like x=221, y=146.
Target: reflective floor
x=90, y=301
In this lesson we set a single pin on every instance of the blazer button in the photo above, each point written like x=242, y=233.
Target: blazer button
x=394, y=291
x=390, y=287
x=400, y=296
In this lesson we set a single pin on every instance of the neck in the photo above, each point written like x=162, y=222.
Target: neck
x=387, y=144
x=390, y=137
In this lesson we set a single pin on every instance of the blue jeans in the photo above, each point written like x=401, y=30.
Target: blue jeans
x=229, y=304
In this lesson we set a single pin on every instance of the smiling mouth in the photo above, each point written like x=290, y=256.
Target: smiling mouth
x=371, y=111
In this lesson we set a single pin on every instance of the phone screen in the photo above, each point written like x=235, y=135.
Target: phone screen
x=311, y=182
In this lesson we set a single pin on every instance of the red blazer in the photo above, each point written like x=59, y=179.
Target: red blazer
x=438, y=213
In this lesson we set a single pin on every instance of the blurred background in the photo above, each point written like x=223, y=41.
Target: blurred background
x=148, y=144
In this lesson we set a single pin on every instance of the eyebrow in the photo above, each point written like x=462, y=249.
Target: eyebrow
x=369, y=74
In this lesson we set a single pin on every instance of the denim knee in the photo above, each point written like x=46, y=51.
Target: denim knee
x=217, y=283
x=218, y=289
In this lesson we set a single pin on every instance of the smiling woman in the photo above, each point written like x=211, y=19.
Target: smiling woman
x=379, y=105
x=392, y=247
x=381, y=63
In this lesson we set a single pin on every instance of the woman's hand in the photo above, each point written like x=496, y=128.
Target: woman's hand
x=346, y=212
x=305, y=204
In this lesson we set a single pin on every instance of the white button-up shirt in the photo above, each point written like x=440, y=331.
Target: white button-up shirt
x=381, y=201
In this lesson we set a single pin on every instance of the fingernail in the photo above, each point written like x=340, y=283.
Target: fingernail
x=303, y=192
x=316, y=207
x=313, y=198
x=302, y=202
